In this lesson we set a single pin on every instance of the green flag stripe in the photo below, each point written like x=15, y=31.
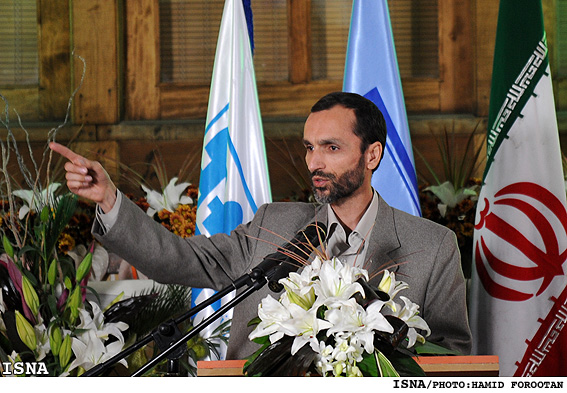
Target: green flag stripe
x=519, y=62
x=515, y=100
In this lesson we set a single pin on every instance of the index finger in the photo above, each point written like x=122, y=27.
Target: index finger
x=67, y=153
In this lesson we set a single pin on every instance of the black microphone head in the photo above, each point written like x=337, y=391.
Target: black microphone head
x=302, y=245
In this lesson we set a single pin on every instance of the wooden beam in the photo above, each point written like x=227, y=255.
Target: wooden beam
x=95, y=39
x=142, y=93
x=54, y=59
x=456, y=67
x=299, y=26
x=486, y=17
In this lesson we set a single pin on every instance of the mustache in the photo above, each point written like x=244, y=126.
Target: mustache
x=320, y=173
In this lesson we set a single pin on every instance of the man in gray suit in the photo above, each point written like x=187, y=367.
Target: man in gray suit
x=344, y=137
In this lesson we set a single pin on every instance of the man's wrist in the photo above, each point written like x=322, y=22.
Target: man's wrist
x=109, y=200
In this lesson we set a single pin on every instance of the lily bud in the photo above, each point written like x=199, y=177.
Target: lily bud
x=84, y=267
x=30, y=296
x=26, y=331
x=68, y=284
x=55, y=339
x=385, y=283
x=8, y=247
x=65, y=351
x=52, y=273
x=73, y=303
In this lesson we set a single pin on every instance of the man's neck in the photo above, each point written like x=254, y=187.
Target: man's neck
x=350, y=210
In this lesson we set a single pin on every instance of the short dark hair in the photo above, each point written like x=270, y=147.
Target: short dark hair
x=370, y=125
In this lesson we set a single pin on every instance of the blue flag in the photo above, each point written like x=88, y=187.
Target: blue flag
x=371, y=70
x=234, y=174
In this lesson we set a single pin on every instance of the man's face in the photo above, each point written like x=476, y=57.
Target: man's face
x=333, y=157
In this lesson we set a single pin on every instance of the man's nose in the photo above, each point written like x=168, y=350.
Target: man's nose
x=314, y=161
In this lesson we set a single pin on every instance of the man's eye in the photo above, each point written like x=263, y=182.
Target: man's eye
x=334, y=148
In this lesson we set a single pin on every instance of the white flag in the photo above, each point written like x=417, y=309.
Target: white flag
x=234, y=174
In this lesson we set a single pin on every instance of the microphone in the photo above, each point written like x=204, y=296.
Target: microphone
x=280, y=263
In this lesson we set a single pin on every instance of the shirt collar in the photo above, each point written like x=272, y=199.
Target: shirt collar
x=366, y=223
x=361, y=231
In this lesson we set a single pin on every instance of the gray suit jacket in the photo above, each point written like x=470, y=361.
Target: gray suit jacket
x=422, y=253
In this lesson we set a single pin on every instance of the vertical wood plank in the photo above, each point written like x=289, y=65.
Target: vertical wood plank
x=456, y=67
x=486, y=19
x=141, y=82
x=299, y=26
x=95, y=38
x=54, y=59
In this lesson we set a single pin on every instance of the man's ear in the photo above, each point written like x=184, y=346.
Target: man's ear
x=373, y=155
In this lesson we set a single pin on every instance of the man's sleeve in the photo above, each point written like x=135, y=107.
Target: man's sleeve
x=105, y=221
x=446, y=304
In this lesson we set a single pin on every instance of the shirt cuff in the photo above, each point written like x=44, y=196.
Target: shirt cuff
x=107, y=220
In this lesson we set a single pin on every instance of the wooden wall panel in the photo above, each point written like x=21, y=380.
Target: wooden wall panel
x=95, y=38
x=142, y=94
x=299, y=26
x=486, y=13
x=456, y=67
x=54, y=59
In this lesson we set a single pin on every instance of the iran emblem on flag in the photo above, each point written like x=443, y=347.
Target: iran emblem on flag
x=519, y=285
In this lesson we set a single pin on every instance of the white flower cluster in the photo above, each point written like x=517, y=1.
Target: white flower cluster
x=169, y=200
x=327, y=288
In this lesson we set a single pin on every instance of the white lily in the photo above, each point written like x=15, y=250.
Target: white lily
x=34, y=202
x=409, y=313
x=390, y=285
x=354, y=319
x=450, y=197
x=169, y=200
x=272, y=313
x=42, y=339
x=88, y=346
x=305, y=326
x=337, y=282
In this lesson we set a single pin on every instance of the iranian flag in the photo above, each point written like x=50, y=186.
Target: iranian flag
x=519, y=286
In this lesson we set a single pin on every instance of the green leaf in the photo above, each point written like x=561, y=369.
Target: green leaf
x=385, y=366
x=44, y=216
x=8, y=247
x=406, y=365
x=429, y=348
x=254, y=321
x=368, y=366
x=52, y=304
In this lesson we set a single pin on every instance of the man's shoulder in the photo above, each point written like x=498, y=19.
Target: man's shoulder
x=418, y=224
x=288, y=207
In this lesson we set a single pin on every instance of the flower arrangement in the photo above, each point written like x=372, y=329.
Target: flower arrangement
x=45, y=317
x=44, y=314
x=330, y=322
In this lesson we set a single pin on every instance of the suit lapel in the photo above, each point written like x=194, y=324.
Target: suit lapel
x=384, y=245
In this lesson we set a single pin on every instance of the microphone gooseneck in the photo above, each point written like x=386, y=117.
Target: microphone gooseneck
x=284, y=261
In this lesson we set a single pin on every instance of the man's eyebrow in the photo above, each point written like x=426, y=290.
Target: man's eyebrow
x=331, y=141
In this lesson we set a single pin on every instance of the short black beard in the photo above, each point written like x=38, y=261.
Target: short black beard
x=340, y=188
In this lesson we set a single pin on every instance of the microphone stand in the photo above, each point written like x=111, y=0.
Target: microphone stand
x=169, y=338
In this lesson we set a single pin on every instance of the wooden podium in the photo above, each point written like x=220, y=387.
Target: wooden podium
x=434, y=366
